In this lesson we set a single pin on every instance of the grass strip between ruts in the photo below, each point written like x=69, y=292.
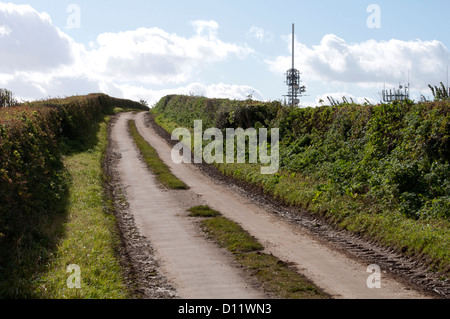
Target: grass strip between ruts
x=277, y=277
x=154, y=162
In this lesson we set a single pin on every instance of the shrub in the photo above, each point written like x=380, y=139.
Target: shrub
x=32, y=178
x=397, y=154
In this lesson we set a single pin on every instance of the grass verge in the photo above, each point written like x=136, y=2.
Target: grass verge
x=277, y=277
x=154, y=163
x=427, y=240
x=90, y=238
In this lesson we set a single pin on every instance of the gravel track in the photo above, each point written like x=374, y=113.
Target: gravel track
x=187, y=265
x=334, y=260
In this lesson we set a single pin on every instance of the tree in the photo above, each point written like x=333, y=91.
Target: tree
x=7, y=98
x=143, y=102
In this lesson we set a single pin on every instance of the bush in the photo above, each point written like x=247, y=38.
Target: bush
x=395, y=154
x=32, y=176
x=380, y=171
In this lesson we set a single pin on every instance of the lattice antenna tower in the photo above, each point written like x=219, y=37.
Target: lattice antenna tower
x=400, y=94
x=293, y=78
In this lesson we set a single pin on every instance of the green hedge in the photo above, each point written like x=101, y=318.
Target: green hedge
x=221, y=113
x=392, y=153
x=31, y=170
x=397, y=153
x=380, y=171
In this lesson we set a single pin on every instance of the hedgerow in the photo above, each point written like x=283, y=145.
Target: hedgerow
x=30, y=165
x=362, y=167
x=33, y=138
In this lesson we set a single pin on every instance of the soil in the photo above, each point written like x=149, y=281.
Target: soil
x=334, y=260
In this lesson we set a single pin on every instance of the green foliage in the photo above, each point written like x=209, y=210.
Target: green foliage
x=248, y=114
x=357, y=165
x=78, y=115
x=203, y=211
x=34, y=138
x=154, y=162
x=231, y=236
x=220, y=113
x=397, y=153
x=183, y=110
x=276, y=276
x=30, y=148
x=440, y=93
x=7, y=98
x=30, y=164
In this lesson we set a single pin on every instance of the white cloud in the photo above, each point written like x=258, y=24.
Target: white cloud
x=155, y=56
x=4, y=30
x=40, y=60
x=221, y=90
x=238, y=92
x=29, y=41
x=202, y=26
x=369, y=62
x=260, y=34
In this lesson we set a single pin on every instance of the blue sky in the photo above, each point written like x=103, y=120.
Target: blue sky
x=146, y=49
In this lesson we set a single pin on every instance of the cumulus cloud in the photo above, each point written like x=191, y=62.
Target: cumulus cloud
x=260, y=34
x=220, y=90
x=369, y=62
x=202, y=26
x=29, y=41
x=4, y=30
x=156, y=56
x=37, y=59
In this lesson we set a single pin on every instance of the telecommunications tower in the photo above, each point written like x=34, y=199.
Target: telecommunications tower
x=400, y=94
x=293, y=80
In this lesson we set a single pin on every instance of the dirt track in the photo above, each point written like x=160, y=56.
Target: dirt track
x=194, y=267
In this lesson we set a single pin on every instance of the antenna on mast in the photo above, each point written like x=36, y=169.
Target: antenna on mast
x=400, y=94
x=293, y=46
x=293, y=78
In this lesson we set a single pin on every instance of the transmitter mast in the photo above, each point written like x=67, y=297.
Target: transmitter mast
x=293, y=79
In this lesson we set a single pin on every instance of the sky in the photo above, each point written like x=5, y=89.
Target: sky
x=146, y=49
